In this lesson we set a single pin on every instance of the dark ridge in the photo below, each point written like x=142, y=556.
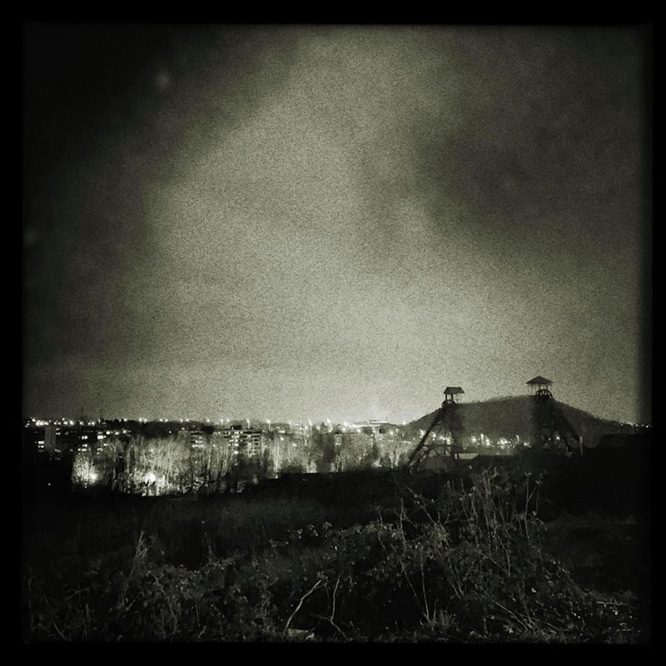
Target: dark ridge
x=510, y=416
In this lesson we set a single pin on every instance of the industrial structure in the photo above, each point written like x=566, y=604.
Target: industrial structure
x=551, y=428
x=447, y=419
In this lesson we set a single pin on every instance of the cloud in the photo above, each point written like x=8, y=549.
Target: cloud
x=341, y=219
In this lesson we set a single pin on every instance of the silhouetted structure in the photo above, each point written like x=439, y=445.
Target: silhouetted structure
x=448, y=418
x=540, y=385
x=552, y=430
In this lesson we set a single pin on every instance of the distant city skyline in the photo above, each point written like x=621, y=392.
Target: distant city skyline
x=310, y=222
x=85, y=417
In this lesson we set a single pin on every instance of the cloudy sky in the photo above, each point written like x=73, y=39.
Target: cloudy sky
x=328, y=221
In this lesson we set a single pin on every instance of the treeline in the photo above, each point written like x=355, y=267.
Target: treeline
x=165, y=466
x=171, y=465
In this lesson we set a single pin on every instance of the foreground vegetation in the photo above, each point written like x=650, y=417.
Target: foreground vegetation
x=470, y=561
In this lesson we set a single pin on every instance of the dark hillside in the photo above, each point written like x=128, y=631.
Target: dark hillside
x=507, y=417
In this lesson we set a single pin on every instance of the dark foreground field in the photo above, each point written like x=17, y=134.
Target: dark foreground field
x=478, y=553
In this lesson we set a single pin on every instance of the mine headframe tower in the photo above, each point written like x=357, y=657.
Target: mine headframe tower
x=552, y=430
x=448, y=419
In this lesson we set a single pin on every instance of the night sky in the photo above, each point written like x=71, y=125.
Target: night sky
x=333, y=222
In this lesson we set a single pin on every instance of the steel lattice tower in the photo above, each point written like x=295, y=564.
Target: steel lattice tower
x=552, y=429
x=446, y=418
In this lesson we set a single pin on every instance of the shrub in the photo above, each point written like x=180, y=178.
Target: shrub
x=467, y=565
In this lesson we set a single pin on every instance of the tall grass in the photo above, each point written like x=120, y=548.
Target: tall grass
x=466, y=564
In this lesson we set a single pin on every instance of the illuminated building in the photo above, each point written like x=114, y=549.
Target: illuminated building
x=245, y=441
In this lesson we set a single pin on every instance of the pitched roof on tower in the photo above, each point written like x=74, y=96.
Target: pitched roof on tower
x=540, y=380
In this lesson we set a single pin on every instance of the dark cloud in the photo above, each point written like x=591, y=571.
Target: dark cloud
x=309, y=221
x=98, y=132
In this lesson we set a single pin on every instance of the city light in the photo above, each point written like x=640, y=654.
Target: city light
x=349, y=439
